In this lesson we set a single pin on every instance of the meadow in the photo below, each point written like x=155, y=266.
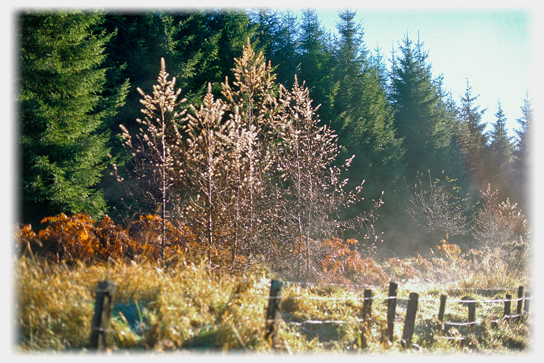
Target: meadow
x=183, y=306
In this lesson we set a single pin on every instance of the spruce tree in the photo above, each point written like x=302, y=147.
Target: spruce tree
x=419, y=113
x=349, y=64
x=472, y=138
x=500, y=156
x=233, y=28
x=314, y=58
x=522, y=156
x=283, y=52
x=64, y=104
x=363, y=118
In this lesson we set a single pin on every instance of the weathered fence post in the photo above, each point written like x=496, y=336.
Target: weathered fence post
x=520, y=302
x=507, y=304
x=442, y=310
x=366, y=313
x=526, y=302
x=410, y=320
x=391, y=306
x=471, y=304
x=273, y=312
x=367, y=306
x=471, y=314
x=101, y=317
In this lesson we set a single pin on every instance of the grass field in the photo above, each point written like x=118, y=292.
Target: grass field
x=188, y=308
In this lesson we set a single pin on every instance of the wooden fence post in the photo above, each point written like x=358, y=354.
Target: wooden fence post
x=366, y=313
x=442, y=310
x=101, y=317
x=391, y=306
x=526, y=302
x=507, y=304
x=273, y=312
x=367, y=306
x=471, y=314
x=520, y=302
x=410, y=320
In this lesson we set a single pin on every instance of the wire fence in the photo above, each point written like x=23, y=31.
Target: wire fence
x=105, y=291
x=522, y=300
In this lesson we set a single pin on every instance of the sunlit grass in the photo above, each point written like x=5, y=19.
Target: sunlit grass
x=187, y=307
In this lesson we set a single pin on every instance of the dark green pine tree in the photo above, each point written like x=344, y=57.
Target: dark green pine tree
x=192, y=50
x=63, y=110
x=376, y=60
x=421, y=116
x=363, y=117
x=451, y=156
x=282, y=52
x=500, y=156
x=349, y=63
x=314, y=58
x=233, y=28
x=522, y=156
x=472, y=139
x=266, y=23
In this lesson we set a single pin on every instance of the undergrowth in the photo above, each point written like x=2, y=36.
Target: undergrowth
x=192, y=303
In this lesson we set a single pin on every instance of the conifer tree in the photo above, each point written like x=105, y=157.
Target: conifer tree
x=349, y=64
x=363, y=118
x=314, y=58
x=522, y=156
x=419, y=115
x=500, y=156
x=233, y=27
x=284, y=52
x=267, y=24
x=376, y=61
x=472, y=138
x=64, y=105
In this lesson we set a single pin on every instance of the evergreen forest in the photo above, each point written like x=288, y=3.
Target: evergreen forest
x=257, y=136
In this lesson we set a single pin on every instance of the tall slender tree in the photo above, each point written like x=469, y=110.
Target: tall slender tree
x=205, y=156
x=314, y=58
x=500, y=156
x=283, y=54
x=313, y=189
x=472, y=138
x=363, y=118
x=523, y=162
x=64, y=105
x=157, y=160
x=419, y=115
x=252, y=96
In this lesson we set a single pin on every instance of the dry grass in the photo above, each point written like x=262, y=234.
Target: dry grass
x=184, y=307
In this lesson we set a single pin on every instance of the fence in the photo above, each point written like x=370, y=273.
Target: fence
x=523, y=302
x=106, y=290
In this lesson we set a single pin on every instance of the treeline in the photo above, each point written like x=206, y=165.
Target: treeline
x=254, y=146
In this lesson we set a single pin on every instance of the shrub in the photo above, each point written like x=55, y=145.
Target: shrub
x=80, y=238
x=500, y=225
